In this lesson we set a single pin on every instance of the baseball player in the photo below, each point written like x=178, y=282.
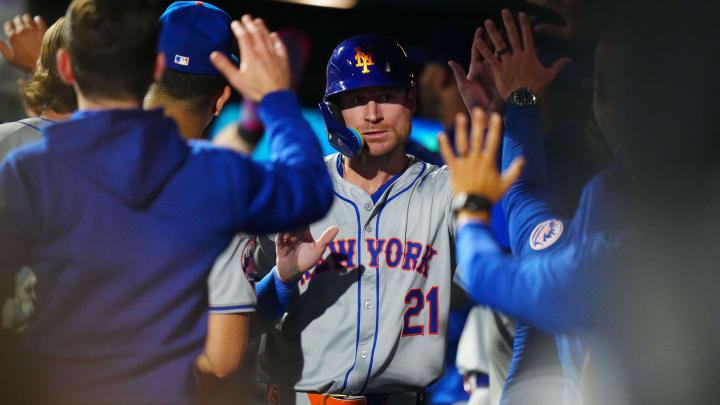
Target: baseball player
x=372, y=329
x=121, y=219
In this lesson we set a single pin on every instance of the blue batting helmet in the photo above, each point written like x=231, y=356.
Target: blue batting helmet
x=361, y=61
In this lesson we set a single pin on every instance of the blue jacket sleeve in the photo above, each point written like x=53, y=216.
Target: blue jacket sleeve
x=273, y=296
x=527, y=203
x=546, y=290
x=293, y=190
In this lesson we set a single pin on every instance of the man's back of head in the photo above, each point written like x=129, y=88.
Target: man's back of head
x=191, y=86
x=112, y=47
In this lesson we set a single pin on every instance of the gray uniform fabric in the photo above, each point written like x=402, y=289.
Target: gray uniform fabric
x=19, y=308
x=379, y=323
x=231, y=283
x=16, y=134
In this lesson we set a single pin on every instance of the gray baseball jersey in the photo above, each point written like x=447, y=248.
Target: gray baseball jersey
x=19, y=307
x=231, y=283
x=379, y=323
x=16, y=134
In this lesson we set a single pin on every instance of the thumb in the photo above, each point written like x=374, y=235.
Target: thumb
x=559, y=65
x=327, y=237
x=458, y=72
x=6, y=50
x=226, y=67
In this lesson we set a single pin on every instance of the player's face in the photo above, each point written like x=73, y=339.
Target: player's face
x=382, y=115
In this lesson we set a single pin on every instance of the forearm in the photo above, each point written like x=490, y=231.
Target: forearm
x=541, y=289
x=527, y=202
x=273, y=296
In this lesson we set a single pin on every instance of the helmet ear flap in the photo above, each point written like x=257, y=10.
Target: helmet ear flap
x=345, y=140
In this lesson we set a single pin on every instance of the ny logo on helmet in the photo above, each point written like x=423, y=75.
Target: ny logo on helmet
x=363, y=60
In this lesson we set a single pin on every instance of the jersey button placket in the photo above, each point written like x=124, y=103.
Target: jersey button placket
x=368, y=206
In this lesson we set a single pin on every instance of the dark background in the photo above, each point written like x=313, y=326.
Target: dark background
x=408, y=21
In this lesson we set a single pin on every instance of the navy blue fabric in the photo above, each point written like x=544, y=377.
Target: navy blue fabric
x=121, y=221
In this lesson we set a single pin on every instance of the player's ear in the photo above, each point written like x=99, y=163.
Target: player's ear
x=64, y=66
x=221, y=100
x=159, y=66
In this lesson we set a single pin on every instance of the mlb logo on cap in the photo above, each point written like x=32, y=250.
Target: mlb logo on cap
x=191, y=30
x=182, y=60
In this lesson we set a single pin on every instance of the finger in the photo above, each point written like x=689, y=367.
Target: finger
x=40, y=23
x=486, y=52
x=559, y=65
x=225, y=66
x=243, y=39
x=493, y=138
x=258, y=41
x=18, y=23
x=461, y=134
x=278, y=45
x=27, y=21
x=458, y=72
x=265, y=34
x=9, y=28
x=511, y=30
x=511, y=173
x=495, y=36
x=327, y=237
x=527, y=35
x=477, y=132
x=445, y=149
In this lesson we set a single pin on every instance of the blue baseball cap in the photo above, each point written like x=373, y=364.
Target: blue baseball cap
x=191, y=30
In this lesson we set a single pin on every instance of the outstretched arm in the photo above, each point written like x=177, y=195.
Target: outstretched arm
x=295, y=189
x=527, y=205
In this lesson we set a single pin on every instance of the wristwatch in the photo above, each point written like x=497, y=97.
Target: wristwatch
x=522, y=97
x=470, y=202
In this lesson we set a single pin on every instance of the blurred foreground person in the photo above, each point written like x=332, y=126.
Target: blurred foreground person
x=626, y=282
x=105, y=211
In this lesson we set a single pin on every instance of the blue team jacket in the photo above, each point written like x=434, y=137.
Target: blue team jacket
x=121, y=221
x=556, y=275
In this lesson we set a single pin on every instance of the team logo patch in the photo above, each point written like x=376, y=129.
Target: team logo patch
x=363, y=60
x=247, y=262
x=545, y=234
x=182, y=60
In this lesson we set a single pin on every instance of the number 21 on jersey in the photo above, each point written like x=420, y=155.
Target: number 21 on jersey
x=416, y=300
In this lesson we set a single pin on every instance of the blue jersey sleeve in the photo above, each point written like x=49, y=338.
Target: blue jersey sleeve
x=273, y=296
x=294, y=189
x=533, y=218
x=541, y=289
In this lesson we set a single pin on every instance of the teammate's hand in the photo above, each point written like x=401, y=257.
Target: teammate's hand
x=264, y=64
x=516, y=64
x=297, y=252
x=25, y=35
x=473, y=170
x=584, y=20
x=477, y=87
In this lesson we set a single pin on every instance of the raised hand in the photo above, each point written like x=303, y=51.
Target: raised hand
x=477, y=88
x=264, y=66
x=517, y=65
x=25, y=35
x=297, y=252
x=473, y=170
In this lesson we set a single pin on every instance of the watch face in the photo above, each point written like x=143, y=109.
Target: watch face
x=524, y=97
